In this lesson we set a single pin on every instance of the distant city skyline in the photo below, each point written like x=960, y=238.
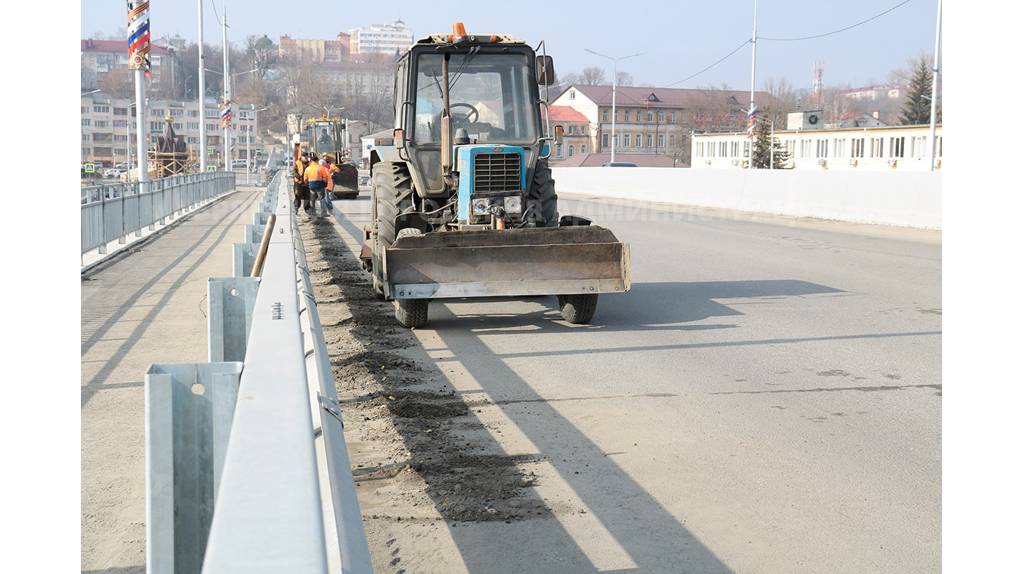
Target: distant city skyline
x=677, y=38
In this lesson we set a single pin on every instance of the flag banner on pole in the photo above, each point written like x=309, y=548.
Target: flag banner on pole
x=138, y=35
x=225, y=114
x=751, y=120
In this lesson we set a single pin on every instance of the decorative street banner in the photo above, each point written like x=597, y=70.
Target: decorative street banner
x=751, y=120
x=138, y=35
x=225, y=114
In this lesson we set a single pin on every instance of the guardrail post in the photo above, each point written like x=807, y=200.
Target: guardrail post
x=139, y=187
x=229, y=305
x=152, y=206
x=189, y=411
x=124, y=233
x=103, y=223
x=244, y=255
x=253, y=233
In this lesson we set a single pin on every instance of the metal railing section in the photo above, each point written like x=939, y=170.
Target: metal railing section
x=286, y=500
x=112, y=212
x=343, y=519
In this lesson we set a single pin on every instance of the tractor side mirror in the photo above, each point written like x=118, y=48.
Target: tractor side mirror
x=545, y=70
x=559, y=132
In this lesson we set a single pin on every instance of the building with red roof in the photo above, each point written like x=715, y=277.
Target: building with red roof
x=657, y=121
x=575, y=141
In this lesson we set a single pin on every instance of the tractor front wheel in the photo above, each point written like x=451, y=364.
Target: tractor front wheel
x=578, y=309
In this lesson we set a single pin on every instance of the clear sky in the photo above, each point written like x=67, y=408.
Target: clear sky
x=677, y=38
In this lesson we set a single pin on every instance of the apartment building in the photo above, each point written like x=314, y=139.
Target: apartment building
x=315, y=51
x=109, y=136
x=380, y=38
x=100, y=57
x=902, y=148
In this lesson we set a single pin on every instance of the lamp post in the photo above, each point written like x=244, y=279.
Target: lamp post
x=753, y=69
x=202, y=96
x=248, y=142
x=615, y=79
x=128, y=135
x=935, y=88
x=227, y=88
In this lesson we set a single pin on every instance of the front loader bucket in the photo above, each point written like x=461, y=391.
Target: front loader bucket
x=516, y=262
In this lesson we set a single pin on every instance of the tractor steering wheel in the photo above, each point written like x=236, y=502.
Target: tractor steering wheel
x=473, y=112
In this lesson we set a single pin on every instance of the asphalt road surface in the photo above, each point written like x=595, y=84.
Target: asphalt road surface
x=766, y=398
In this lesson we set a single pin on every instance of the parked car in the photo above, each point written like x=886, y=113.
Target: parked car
x=237, y=163
x=619, y=164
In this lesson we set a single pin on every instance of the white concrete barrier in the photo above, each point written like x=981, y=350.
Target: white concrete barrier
x=906, y=199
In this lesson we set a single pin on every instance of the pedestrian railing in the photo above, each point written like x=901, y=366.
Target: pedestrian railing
x=113, y=212
x=247, y=467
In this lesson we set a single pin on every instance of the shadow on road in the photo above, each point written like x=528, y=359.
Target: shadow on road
x=180, y=278
x=646, y=307
x=652, y=538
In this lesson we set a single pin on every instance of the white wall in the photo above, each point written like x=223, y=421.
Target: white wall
x=893, y=198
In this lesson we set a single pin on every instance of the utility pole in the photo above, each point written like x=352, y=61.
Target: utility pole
x=138, y=59
x=256, y=130
x=248, y=149
x=227, y=92
x=615, y=81
x=753, y=75
x=202, y=95
x=935, y=89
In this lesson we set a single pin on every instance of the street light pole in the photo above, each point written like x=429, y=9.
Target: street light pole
x=202, y=96
x=249, y=139
x=935, y=88
x=753, y=71
x=227, y=90
x=615, y=79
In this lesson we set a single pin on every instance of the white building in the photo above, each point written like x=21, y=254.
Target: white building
x=380, y=39
x=903, y=148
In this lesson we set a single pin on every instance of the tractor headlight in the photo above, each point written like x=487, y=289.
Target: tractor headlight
x=514, y=204
x=480, y=206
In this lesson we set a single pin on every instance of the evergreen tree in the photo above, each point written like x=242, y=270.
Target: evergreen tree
x=918, y=108
x=781, y=155
x=763, y=146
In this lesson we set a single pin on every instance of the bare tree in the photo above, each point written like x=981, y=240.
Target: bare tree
x=261, y=52
x=624, y=79
x=118, y=83
x=592, y=76
x=786, y=97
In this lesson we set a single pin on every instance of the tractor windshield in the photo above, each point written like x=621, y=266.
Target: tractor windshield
x=489, y=98
x=322, y=137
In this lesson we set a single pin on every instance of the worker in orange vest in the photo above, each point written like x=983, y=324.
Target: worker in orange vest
x=325, y=174
x=315, y=181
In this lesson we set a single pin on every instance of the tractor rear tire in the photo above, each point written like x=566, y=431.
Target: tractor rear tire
x=542, y=196
x=392, y=195
x=578, y=309
x=411, y=313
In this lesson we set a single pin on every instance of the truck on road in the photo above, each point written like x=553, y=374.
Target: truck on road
x=463, y=200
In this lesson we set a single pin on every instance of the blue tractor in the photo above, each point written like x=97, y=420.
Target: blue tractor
x=464, y=202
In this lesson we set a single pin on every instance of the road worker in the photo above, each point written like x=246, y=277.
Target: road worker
x=300, y=185
x=316, y=182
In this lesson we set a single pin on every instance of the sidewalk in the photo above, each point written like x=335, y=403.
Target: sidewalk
x=148, y=307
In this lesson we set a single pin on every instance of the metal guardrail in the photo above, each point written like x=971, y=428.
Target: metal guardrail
x=283, y=497
x=112, y=212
